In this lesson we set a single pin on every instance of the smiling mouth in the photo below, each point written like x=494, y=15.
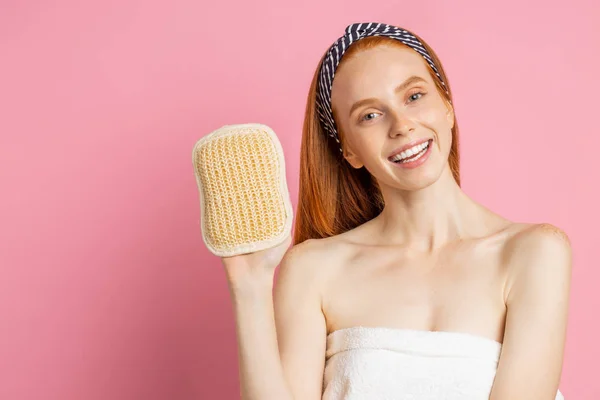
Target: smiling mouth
x=408, y=156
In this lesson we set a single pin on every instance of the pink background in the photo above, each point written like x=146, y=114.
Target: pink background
x=107, y=291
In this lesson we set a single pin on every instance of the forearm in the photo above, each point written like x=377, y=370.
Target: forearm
x=260, y=369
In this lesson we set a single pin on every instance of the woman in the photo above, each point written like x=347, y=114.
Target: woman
x=399, y=285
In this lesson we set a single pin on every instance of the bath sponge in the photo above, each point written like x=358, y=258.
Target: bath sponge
x=244, y=200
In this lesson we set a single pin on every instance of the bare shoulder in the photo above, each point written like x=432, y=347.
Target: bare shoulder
x=537, y=252
x=532, y=239
x=319, y=262
x=311, y=261
x=312, y=253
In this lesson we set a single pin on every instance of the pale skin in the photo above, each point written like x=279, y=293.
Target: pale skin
x=434, y=259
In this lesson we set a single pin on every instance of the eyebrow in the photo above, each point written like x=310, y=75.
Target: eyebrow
x=398, y=89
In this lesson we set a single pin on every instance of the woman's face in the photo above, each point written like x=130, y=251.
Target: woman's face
x=383, y=99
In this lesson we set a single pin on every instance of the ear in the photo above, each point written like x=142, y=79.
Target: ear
x=352, y=159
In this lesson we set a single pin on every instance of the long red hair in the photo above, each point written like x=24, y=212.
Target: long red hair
x=333, y=196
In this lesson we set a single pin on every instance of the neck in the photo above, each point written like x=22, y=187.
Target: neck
x=428, y=218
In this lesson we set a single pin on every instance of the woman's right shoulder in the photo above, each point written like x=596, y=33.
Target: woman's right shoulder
x=317, y=258
x=330, y=249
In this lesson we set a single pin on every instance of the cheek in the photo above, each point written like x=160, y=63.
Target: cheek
x=359, y=142
x=436, y=120
x=364, y=149
x=432, y=116
x=438, y=123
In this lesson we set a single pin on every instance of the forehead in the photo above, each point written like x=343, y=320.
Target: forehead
x=370, y=71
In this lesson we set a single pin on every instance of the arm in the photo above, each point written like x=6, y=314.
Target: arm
x=302, y=341
x=530, y=364
x=301, y=326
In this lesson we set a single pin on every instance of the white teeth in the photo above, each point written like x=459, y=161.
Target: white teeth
x=411, y=152
x=415, y=158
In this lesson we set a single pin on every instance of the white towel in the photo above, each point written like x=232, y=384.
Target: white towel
x=366, y=363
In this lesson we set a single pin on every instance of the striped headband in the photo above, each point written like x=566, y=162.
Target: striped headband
x=333, y=56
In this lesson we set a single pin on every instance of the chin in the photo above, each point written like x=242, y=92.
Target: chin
x=422, y=181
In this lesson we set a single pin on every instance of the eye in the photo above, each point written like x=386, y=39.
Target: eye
x=364, y=117
x=412, y=96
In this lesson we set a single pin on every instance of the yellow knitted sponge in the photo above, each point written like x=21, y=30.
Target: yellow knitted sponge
x=244, y=200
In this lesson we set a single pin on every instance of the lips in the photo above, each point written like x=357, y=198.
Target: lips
x=414, y=161
x=406, y=147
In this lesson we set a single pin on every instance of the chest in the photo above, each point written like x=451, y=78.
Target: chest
x=459, y=289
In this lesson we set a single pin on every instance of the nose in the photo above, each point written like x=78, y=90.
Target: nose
x=402, y=124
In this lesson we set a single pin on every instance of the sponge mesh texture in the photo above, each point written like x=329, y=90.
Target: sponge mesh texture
x=245, y=202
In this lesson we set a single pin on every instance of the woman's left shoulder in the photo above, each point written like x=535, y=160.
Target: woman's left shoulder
x=534, y=237
x=538, y=250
